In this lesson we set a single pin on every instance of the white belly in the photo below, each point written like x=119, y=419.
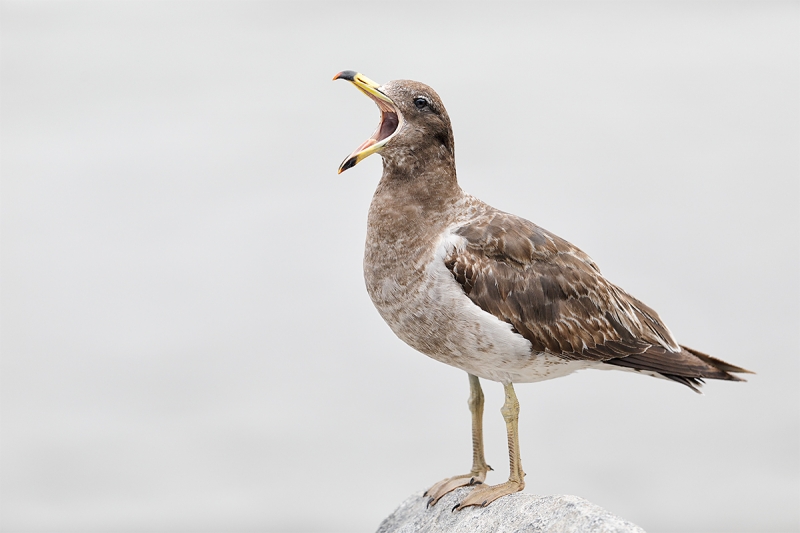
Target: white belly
x=431, y=313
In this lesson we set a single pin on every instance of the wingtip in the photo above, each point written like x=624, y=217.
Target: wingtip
x=719, y=364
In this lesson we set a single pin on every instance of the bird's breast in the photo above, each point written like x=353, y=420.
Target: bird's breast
x=418, y=297
x=424, y=306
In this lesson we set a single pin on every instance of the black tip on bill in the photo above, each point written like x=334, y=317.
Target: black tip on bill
x=349, y=75
x=350, y=163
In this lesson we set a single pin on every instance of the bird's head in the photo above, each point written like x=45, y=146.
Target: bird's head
x=414, y=123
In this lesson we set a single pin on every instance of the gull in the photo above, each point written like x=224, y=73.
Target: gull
x=490, y=292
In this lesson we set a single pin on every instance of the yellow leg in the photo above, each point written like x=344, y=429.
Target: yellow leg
x=479, y=467
x=486, y=494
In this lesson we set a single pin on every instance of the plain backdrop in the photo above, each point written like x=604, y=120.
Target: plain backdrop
x=187, y=344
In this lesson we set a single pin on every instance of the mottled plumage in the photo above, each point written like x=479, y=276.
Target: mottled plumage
x=554, y=295
x=490, y=292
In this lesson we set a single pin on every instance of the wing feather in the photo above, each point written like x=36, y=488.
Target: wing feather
x=551, y=292
x=554, y=295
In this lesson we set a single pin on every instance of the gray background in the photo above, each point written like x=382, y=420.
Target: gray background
x=187, y=344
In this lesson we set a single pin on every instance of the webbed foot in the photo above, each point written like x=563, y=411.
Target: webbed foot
x=447, y=485
x=486, y=494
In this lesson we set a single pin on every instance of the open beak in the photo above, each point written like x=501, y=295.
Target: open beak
x=391, y=119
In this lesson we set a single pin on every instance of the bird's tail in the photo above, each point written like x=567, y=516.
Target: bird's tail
x=688, y=366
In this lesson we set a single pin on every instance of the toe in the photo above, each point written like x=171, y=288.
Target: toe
x=485, y=494
x=447, y=485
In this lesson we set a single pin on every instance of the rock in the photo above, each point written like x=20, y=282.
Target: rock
x=516, y=513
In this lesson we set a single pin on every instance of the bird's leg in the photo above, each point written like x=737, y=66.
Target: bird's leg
x=479, y=466
x=486, y=494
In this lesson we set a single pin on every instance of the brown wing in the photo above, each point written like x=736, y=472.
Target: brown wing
x=554, y=295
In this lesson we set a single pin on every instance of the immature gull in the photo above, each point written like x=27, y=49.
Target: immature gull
x=489, y=292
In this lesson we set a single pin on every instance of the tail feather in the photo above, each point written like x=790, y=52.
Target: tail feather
x=687, y=367
x=693, y=383
x=718, y=363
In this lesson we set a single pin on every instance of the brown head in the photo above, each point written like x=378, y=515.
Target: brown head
x=414, y=129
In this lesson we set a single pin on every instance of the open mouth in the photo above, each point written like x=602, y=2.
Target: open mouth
x=391, y=119
x=387, y=127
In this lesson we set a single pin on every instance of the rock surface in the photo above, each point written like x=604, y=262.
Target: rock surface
x=516, y=513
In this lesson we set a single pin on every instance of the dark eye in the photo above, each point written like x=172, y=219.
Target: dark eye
x=420, y=102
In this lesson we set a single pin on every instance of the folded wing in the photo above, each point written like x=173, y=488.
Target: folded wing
x=554, y=295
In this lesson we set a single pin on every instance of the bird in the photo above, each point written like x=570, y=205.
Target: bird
x=487, y=291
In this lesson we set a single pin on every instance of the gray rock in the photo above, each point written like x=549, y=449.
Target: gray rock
x=516, y=513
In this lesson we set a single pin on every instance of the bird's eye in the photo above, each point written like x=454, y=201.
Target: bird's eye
x=420, y=102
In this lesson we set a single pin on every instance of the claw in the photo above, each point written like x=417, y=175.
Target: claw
x=430, y=501
x=455, y=507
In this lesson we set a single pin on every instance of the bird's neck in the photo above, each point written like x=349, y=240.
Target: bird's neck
x=427, y=183
x=408, y=163
x=413, y=201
